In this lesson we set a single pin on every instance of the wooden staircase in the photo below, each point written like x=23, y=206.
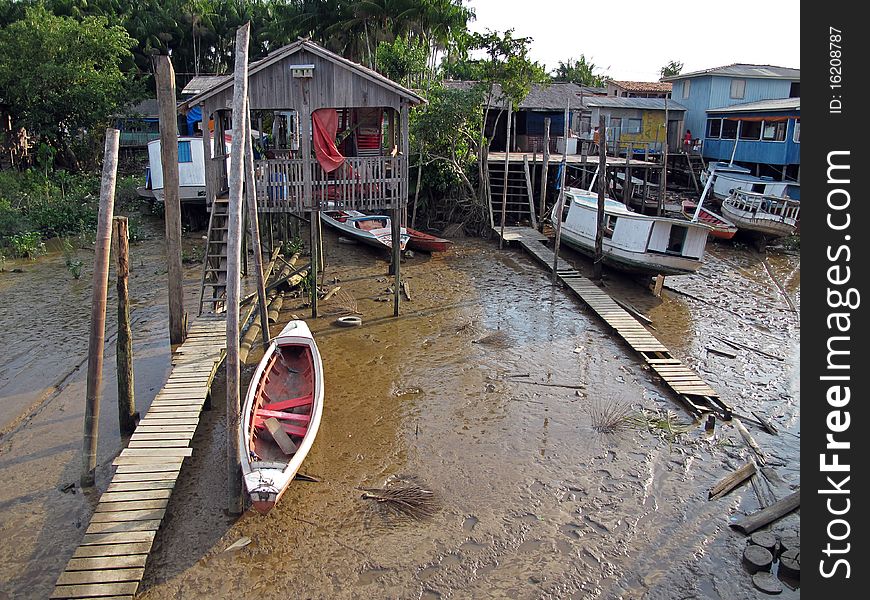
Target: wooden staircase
x=213, y=286
x=520, y=206
x=695, y=167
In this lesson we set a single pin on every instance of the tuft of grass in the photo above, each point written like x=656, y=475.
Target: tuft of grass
x=403, y=500
x=343, y=303
x=609, y=416
x=666, y=425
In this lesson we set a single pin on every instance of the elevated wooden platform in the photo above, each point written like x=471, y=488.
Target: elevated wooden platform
x=575, y=159
x=687, y=385
x=110, y=560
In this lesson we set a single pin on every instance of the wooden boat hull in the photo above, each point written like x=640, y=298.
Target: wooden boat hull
x=721, y=228
x=425, y=242
x=280, y=415
x=380, y=237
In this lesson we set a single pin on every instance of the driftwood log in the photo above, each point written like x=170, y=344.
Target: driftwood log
x=768, y=515
x=731, y=481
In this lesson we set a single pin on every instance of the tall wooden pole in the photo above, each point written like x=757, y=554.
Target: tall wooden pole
x=401, y=202
x=165, y=77
x=664, y=179
x=98, y=308
x=602, y=186
x=560, y=203
x=507, y=164
x=234, y=256
x=124, y=344
x=254, y=223
x=545, y=165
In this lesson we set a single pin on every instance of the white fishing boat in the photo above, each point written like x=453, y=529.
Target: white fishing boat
x=191, y=171
x=730, y=177
x=374, y=230
x=633, y=242
x=771, y=216
x=280, y=415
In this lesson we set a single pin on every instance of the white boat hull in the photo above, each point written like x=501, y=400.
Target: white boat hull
x=381, y=237
x=747, y=212
x=634, y=242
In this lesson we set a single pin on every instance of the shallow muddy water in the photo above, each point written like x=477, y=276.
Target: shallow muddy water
x=482, y=391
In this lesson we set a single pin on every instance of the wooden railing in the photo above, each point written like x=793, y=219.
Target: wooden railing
x=361, y=183
x=784, y=208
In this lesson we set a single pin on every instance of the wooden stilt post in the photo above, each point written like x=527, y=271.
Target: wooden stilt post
x=98, y=308
x=545, y=166
x=507, y=165
x=235, y=503
x=127, y=415
x=626, y=187
x=254, y=224
x=602, y=186
x=417, y=189
x=560, y=203
x=401, y=201
x=529, y=191
x=664, y=179
x=165, y=77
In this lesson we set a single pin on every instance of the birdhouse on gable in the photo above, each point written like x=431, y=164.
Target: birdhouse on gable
x=302, y=71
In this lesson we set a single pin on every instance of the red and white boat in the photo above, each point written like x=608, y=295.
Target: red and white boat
x=722, y=228
x=374, y=230
x=425, y=242
x=281, y=414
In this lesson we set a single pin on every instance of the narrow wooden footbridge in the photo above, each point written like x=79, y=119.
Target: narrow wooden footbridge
x=110, y=560
x=698, y=397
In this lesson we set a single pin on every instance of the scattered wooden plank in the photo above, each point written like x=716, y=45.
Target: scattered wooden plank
x=765, y=424
x=739, y=345
x=768, y=515
x=107, y=562
x=731, y=481
x=94, y=590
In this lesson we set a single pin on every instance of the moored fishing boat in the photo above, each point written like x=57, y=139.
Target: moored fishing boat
x=770, y=216
x=633, y=242
x=720, y=227
x=280, y=415
x=374, y=230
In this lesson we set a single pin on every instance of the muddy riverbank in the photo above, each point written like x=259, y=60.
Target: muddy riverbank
x=533, y=501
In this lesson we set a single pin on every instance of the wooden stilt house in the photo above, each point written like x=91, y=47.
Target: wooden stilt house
x=328, y=134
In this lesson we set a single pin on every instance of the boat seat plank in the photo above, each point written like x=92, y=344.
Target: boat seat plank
x=289, y=403
x=265, y=414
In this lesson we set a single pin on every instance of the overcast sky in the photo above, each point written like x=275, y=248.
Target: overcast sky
x=634, y=39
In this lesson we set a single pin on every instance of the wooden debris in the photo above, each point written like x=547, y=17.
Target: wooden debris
x=767, y=582
x=778, y=284
x=406, y=290
x=768, y=515
x=790, y=563
x=731, y=481
x=304, y=477
x=330, y=293
x=280, y=436
x=765, y=539
x=765, y=424
x=750, y=441
x=639, y=315
x=757, y=558
x=722, y=351
x=239, y=543
x=738, y=345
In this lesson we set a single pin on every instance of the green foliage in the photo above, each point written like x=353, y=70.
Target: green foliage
x=581, y=72
x=60, y=76
x=672, y=68
x=27, y=245
x=73, y=264
x=403, y=61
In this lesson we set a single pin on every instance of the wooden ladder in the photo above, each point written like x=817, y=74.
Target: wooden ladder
x=213, y=286
x=692, y=169
x=520, y=205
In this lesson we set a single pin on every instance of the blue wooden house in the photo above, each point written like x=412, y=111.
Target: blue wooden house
x=763, y=135
x=702, y=91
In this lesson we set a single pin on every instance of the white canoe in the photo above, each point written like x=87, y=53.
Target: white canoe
x=374, y=230
x=281, y=414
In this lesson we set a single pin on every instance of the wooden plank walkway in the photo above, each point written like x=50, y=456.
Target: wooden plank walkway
x=686, y=384
x=110, y=560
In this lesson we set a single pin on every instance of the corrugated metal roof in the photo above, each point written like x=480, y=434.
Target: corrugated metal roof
x=551, y=97
x=635, y=103
x=761, y=106
x=743, y=70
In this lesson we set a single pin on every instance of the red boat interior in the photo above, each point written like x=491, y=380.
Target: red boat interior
x=284, y=398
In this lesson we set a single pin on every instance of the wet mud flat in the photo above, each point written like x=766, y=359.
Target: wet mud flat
x=483, y=391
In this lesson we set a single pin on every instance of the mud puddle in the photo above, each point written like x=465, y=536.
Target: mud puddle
x=482, y=390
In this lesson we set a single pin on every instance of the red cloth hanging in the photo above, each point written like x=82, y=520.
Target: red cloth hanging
x=325, y=122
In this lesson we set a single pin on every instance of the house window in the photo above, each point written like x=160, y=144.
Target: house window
x=686, y=87
x=714, y=128
x=795, y=90
x=729, y=129
x=797, y=131
x=750, y=130
x=773, y=132
x=184, y=152
x=738, y=88
x=634, y=126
